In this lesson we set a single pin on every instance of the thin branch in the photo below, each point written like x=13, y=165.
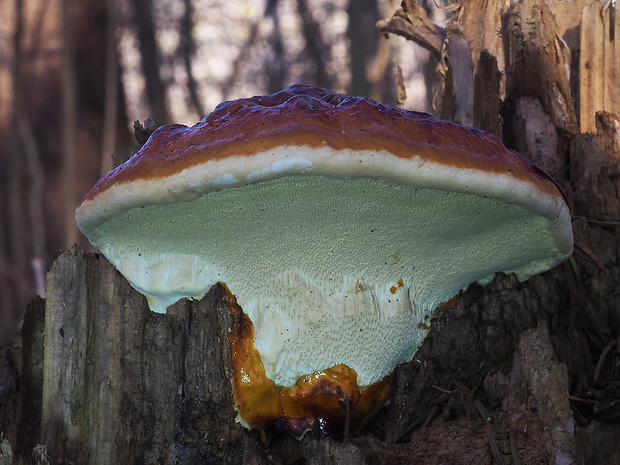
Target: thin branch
x=412, y=23
x=35, y=42
x=497, y=455
x=69, y=122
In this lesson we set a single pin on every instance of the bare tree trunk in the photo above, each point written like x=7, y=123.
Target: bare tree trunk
x=69, y=123
x=357, y=34
x=150, y=61
x=599, y=66
x=28, y=416
x=17, y=252
x=112, y=81
x=369, y=53
x=188, y=50
x=40, y=187
x=153, y=379
x=276, y=67
x=315, y=45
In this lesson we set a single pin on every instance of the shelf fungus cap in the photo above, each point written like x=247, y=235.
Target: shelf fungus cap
x=338, y=223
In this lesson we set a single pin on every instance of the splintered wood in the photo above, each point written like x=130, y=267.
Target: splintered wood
x=599, y=66
x=412, y=23
x=118, y=376
x=537, y=66
x=565, y=55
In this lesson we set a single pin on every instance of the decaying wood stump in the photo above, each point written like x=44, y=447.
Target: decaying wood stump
x=122, y=384
x=126, y=385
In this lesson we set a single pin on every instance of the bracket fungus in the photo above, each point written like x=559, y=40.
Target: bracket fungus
x=338, y=223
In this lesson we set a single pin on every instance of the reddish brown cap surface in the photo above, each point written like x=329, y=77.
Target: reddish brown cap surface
x=310, y=116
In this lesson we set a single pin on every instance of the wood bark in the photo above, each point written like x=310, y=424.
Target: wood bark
x=150, y=61
x=132, y=386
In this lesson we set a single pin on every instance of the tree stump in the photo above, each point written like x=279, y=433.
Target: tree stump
x=125, y=385
x=121, y=384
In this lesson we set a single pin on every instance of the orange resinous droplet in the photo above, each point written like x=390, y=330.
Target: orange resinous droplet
x=323, y=396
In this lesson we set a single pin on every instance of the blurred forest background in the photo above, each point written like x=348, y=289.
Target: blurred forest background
x=74, y=75
x=541, y=74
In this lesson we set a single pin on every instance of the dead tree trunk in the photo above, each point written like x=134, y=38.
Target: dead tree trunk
x=108, y=381
x=132, y=386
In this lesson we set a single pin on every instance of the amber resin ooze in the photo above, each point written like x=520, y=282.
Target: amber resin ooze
x=331, y=396
x=339, y=224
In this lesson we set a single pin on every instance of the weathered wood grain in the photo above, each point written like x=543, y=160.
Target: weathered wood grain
x=599, y=64
x=125, y=385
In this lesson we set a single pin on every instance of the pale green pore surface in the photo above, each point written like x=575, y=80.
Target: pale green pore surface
x=315, y=261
